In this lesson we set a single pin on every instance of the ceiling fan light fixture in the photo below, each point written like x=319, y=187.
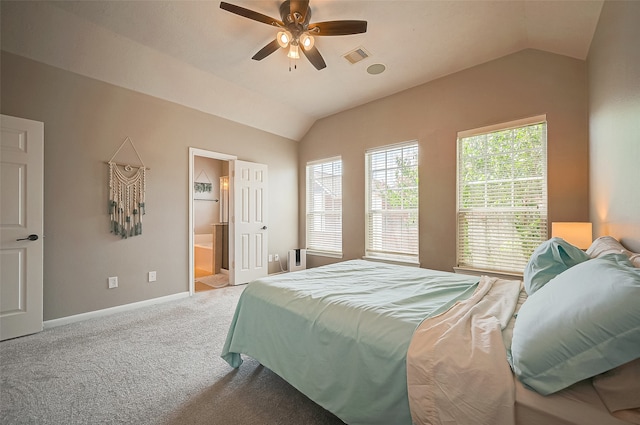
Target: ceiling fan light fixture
x=294, y=53
x=307, y=41
x=284, y=38
x=296, y=29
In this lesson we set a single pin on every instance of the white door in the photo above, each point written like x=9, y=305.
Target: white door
x=21, y=224
x=248, y=223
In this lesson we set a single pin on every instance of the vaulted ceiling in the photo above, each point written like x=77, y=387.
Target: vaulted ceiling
x=198, y=55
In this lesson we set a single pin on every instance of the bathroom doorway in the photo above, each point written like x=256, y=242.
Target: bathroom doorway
x=209, y=205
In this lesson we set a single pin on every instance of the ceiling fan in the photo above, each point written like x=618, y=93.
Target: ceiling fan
x=296, y=31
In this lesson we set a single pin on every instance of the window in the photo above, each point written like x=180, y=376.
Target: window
x=392, y=203
x=324, y=207
x=502, y=195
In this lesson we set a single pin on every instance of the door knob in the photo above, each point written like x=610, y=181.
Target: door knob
x=264, y=227
x=29, y=238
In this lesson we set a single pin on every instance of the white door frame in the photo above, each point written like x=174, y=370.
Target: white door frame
x=193, y=152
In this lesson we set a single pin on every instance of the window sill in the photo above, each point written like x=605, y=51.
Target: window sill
x=324, y=254
x=407, y=262
x=493, y=273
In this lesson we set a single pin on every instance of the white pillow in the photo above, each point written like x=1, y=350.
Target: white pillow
x=609, y=245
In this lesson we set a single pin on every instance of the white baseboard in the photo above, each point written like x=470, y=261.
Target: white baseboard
x=108, y=311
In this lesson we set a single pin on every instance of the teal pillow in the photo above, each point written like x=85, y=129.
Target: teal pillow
x=583, y=322
x=549, y=260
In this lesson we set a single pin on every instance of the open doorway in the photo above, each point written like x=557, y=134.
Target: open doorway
x=210, y=223
x=209, y=237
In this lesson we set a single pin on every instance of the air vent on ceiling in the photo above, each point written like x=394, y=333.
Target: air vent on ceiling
x=356, y=55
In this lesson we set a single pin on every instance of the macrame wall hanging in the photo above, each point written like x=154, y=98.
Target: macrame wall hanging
x=127, y=186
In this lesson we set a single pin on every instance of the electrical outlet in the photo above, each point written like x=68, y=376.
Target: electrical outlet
x=152, y=276
x=270, y=258
x=113, y=282
x=276, y=257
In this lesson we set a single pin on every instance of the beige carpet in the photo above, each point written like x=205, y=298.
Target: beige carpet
x=158, y=365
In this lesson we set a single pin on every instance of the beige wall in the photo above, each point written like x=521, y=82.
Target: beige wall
x=520, y=85
x=614, y=123
x=85, y=122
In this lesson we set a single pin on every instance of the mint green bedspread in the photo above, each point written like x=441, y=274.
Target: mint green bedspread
x=340, y=333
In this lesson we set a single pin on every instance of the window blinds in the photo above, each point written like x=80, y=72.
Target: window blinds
x=502, y=197
x=392, y=202
x=324, y=206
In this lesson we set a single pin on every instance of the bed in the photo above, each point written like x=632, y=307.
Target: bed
x=376, y=343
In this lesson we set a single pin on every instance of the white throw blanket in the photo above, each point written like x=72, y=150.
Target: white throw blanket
x=457, y=369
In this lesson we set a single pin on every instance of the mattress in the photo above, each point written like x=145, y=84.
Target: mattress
x=577, y=405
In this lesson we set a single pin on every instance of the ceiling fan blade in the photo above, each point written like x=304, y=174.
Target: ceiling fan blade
x=249, y=14
x=338, y=28
x=266, y=50
x=315, y=58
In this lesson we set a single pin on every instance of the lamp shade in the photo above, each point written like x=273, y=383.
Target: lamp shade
x=284, y=38
x=307, y=41
x=293, y=51
x=577, y=234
